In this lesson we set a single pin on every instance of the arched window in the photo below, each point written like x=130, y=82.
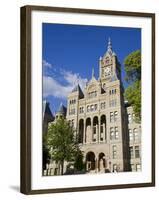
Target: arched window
x=111, y=117
x=92, y=107
x=111, y=133
x=137, y=152
x=115, y=116
x=116, y=133
x=136, y=136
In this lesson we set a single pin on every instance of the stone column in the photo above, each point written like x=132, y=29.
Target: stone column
x=99, y=132
x=92, y=130
x=96, y=132
x=104, y=132
x=96, y=164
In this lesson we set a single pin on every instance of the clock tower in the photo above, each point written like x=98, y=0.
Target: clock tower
x=109, y=67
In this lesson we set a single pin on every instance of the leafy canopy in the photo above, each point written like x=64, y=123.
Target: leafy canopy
x=132, y=64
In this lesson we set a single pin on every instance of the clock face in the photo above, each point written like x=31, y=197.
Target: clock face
x=107, y=71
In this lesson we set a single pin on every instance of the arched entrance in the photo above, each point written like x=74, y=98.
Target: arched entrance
x=90, y=161
x=101, y=162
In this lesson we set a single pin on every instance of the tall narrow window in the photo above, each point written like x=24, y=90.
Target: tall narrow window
x=101, y=128
x=116, y=133
x=131, y=152
x=111, y=116
x=137, y=152
x=115, y=116
x=114, y=152
x=111, y=133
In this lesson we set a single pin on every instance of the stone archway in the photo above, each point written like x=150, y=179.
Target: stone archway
x=90, y=161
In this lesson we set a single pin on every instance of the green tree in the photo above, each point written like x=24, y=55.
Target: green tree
x=62, y=142
x=78, y=164
x=132, y=64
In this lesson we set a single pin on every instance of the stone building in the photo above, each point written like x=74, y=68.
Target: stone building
x=134, y=132
x=109, y=139
x=100, y=117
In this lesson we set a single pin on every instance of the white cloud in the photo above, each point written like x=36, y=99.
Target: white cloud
x=74, y=79
x=54, y=88
x=46, y=64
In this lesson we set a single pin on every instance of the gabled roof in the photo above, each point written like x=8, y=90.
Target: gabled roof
x=79, y=90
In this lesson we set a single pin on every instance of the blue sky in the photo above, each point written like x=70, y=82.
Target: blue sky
x=71, y=51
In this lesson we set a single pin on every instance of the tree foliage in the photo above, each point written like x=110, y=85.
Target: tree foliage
x=133, y=95
x=62, y=142
x=132, y=64
x=78, y=164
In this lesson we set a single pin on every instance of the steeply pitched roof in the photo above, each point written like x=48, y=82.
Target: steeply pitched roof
x=79, y=90
x=62, y=109
x=47, y=112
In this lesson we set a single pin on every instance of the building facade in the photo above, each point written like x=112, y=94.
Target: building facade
x=134, y=132
x=102, y=120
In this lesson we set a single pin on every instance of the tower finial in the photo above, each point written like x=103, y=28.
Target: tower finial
x=109, y=48
x=92, y=72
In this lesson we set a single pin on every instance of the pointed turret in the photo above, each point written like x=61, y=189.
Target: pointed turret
x=47, y=116
x=61, y=111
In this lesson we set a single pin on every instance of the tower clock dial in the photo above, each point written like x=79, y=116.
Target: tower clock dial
x=107, y=71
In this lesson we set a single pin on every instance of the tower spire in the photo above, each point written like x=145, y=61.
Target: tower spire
x=109, y=48
x=92, y=72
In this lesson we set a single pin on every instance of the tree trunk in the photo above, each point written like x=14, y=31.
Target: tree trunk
x=62, y=166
